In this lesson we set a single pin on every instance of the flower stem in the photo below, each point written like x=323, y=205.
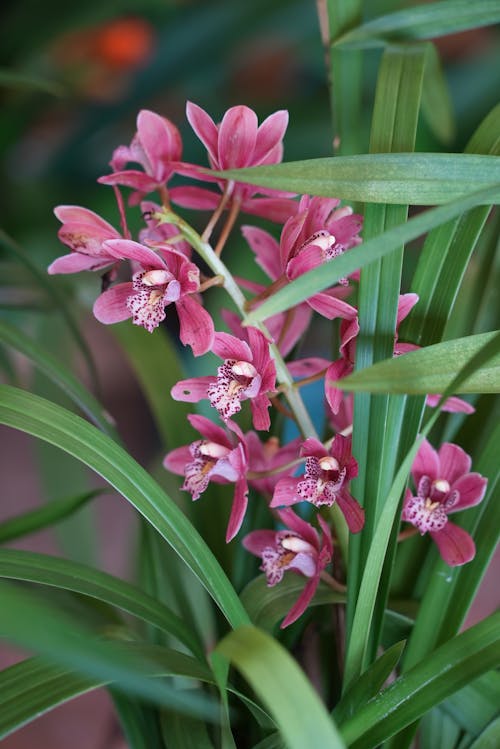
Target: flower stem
x=226, y=229
x=207, y=232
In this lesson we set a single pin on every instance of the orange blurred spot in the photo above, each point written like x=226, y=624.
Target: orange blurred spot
x=124, y=43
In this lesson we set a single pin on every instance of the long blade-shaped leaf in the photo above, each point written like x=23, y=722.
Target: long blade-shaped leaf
x=280, y=683
x=453, y=665
x=70, y=433
x=78, y=578
x=424, y=22
x=400, y=178
x=373, y=249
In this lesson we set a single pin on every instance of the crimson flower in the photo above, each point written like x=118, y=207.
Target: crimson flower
x=268, y=456
x=327, y=474
x=298, y=548
x=248, y=372
x=221, y=457
x=165, y=276
x=156, y=146
x=444, y=485
x=238, y=141
x=85, y=232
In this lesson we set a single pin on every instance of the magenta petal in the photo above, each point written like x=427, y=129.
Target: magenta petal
x=455, y=545
x=426, y=463
x=227, y=346
x=161, y=142
x=302, y=603
x=260, y=412
x=472, y=487
x=210, y=431
x=336, y=371
x=238, y=509
x=308, y=367
x=237, y=137
x=451, y=405
x=126, y=248
x=299, y=526
x=405, y=305
x=266, y=250
x=352, y=511
x=192, y=390
x=68, y=214
x=130, y=178
x=111, y=306
x=199, y=198
x=330, y=307
x=270, y=134
x=196, y=325
x=285, y=492
x=307, y=259
x=256, y=541
x=176, y=460
x=77, y=261
x=454, y=462
x=312, y=447
x=278, y=210
x=259, y=346
x=204, y=127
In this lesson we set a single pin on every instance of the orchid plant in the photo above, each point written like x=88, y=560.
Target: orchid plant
x=339, y=501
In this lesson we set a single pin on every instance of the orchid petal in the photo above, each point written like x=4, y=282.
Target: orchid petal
x=111, y=305
x=455, y=545
x=130, y=178
x=426, y=463
x=351, y=510
x=127, y=249
x=302, y=603
x=266, y=250
x=227, y=346
x=190, y=196
x=405, y=305
x=269, y=135
x=330, y=307
x=196, y=325
x=176, y=460
x=256, y=541
x=471, y=487
x=192, y=390
x=285, y=492
x=299, y=526
x=451, y=405
x=238, y=509
x=309, y=367
x=204, y=127
x=77, y=261
x=260, y=412
x=237, y=137
x=312, y=447
x=210, y=431
x=161, y=142
x=454, y=462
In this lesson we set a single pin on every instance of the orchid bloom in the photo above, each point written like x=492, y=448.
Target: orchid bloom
x=299, y=548
x=319, y=232
x=238, y=141
x=327, y=474
x=165, y=276
x=156, y=146
x=158, y=232
x=248, y=372
x=444, y=485
x=220, y=457
x=85, y=232
x=269, y=457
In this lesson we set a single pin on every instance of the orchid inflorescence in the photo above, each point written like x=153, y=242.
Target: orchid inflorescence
x=256, y=364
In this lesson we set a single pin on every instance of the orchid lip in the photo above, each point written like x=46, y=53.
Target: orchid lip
x=441, y=485
x=213, y=450
x=243, y=369
x=296, y=544
x=329, y=463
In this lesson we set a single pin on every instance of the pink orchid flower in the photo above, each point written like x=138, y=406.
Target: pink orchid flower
x=269, y=457
x=248, y=372
x=300, y=549
x=85, y=232
x=165, y=276
x=319, y=232
x=349, y=330
x=238, y=141
x=327, y=474
x=156, y=146
x=444, y=485
x=221, y=457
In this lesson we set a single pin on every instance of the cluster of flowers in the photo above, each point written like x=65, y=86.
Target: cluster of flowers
x=315, y=230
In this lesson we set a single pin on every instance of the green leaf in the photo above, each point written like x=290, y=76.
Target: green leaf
x=54, y=512
x=78, y=578
x=33, y=687
x=58, y=373
x=368, y=685
x=283, y=688
x=75, y=436
x=490, y=737
x=437, y=106
x=424, y=22
x=35, y=625
x=138, y=722
x=17, y=80
x=400, y=178
x=267, y=606
x=327, y=275
x=181, y=732
x=474, y=706
x=451, y=667
x=430, y=369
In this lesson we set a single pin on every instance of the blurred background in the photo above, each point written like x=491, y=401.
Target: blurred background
x=72, y=78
